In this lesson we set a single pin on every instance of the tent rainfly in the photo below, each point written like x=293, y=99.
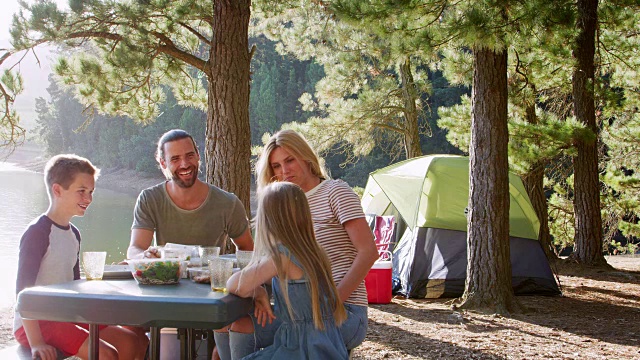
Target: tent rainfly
x=430, y=195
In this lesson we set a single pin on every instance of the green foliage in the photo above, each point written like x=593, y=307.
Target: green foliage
x=561, y=216
x=12, y=81
x=277, y=83
x=375, y=79
x=110, y=142
x=11, y=134
x=127, y=51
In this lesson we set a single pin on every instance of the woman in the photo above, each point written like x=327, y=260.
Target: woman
x=341, y=230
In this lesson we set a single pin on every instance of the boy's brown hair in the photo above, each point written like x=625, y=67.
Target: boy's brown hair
x=62, y=169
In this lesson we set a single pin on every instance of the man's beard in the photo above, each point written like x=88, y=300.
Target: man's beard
x=189, y=183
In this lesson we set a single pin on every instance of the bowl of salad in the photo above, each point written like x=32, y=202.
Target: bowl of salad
x=155, y=271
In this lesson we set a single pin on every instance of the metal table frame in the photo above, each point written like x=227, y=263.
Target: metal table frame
x=123, y=302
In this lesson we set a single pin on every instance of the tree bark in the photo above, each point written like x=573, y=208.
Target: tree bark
x=410, y=96
x=488, y=286
x=586, y=204
x=534, y=184
x=228, y=134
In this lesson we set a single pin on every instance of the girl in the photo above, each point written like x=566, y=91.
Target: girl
x=307, y=304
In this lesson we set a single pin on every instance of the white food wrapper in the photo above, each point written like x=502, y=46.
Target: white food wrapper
x=190, y=251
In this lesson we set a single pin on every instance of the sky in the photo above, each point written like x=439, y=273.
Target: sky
x=35, y=76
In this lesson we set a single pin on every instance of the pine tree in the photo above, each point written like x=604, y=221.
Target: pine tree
x=127, y=51
x=588, y=220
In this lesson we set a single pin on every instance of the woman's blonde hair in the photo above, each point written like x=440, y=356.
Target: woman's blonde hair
x=295, y=144
x=283, y=217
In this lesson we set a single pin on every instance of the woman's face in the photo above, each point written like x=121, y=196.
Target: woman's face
x=286, y=167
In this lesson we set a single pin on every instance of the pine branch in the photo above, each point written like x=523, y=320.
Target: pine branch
x=9, y=118
x=171, y=49
x=195, y=32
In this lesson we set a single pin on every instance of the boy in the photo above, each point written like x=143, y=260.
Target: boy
x=48, y=255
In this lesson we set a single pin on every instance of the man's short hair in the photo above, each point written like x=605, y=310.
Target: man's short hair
x=62, y=169
x=173, y=135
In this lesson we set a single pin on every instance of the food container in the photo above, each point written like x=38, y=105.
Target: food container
x=199, y=275
x=194, y=263
x=155, y=271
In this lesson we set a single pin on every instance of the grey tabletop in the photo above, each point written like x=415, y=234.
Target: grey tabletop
x=124, y=302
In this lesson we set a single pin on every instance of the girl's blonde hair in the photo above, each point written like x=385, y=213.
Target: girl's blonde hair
x=283, y=217
x=295, y=144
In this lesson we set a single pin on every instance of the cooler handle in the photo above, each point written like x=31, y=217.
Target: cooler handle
x=384, y=255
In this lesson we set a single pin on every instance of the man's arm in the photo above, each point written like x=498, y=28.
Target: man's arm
x=244, y=241
x=141, y=242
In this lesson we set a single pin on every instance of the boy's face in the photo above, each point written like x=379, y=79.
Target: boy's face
x=75, y=200
x=181, y=162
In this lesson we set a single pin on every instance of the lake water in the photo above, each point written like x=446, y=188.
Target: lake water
x=105, y=226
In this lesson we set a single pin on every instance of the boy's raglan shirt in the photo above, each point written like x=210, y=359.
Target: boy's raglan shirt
x=48, y=255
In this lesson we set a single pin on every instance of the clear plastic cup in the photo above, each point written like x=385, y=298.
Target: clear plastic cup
x=207, y=253
x=220, y=270
x=93, y=264
x=243, y=257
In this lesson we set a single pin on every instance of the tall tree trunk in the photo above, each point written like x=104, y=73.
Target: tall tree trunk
x=228, y=134
x=488, y=286
x=534, y=184
x=586, y=204
x=410, y=97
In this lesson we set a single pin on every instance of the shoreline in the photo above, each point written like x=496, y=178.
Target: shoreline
x=31, y=157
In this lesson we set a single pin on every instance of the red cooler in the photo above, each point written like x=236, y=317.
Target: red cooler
x=378, y=282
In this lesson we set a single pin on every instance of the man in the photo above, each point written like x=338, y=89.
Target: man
x=184, y=209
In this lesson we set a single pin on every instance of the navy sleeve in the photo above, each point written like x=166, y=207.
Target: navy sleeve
x=33, y=246
x=76, y=268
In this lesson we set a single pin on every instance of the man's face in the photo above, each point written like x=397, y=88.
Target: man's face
x=181, y=161
x=76, y=199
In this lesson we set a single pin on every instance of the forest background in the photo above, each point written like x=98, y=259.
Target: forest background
x=368, y=92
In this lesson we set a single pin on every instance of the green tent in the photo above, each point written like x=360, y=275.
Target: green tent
x=430, y=195
x=433, y=191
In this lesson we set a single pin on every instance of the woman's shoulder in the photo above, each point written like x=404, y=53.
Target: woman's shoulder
x=335, y=186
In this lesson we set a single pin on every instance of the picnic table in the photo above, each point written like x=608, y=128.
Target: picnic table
x=123, y=302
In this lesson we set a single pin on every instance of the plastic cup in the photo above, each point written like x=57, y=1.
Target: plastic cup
x=220, y=270
x=207, y=253
x=93, y=264
x=243, y=257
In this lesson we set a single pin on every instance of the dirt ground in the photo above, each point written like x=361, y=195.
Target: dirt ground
x=598, y=317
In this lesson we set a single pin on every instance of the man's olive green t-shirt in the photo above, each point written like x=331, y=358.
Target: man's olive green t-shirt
x=219, y=216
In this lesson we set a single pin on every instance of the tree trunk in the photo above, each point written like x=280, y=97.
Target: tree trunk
x=586, y=204
x=488, y=286
x=410, y=96
x=228, y=134
x=534, y=183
